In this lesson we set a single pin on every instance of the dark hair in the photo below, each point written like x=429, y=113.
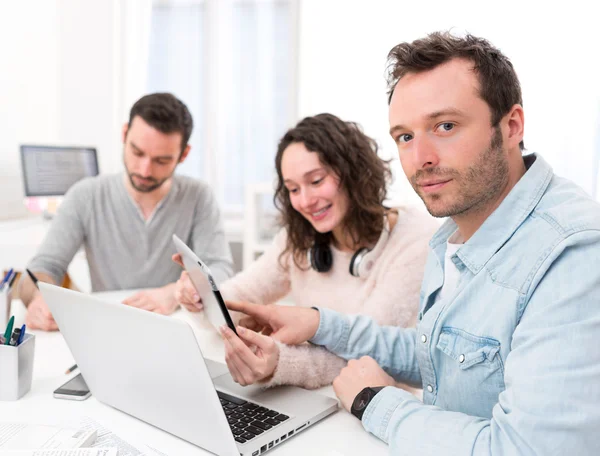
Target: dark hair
x=345, y=150
x=166, y=113
x=499, y=84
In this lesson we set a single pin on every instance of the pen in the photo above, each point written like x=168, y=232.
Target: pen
x=15, y=337
x=6, y=277
x=21, y=336
x=34, y=278
x=8, y=283
x=71, y=369
x=8, y=331
x=12, y=280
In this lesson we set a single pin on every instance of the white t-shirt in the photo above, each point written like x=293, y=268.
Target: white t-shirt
x=451, y=273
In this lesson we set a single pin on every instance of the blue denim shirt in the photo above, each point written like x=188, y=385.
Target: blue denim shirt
x=510, y=361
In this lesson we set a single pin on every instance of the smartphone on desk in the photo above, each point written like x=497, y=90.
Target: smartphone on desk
x=75, y=389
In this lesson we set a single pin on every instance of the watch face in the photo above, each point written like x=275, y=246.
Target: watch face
x=362, y=400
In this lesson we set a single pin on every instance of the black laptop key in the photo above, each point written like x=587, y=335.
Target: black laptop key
x=281, y=417
x=260, y=424
x=250, y=406
x=263, y=410
x=237, y=431
x=241, y=440
x=272, y=413
x=241, y=425
x=247, y=419
x=248, y=435
x=237, y=416
x=232, y=420
x=235, y=400
x=254, y=430
x=271, y=421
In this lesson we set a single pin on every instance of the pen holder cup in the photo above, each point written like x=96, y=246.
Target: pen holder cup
x=5, y=301
x=16, y=368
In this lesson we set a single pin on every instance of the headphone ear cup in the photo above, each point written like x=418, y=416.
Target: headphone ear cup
x=321, y=258
x=356, y=261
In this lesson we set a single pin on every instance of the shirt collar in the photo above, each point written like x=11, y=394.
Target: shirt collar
x=504, y=221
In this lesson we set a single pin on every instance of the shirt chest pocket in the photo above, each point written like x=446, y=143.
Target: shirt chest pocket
x=471, y=372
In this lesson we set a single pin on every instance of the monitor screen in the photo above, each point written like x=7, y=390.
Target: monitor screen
x=50, y=171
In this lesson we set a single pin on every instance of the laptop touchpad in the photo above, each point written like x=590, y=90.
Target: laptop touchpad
x=216, y=369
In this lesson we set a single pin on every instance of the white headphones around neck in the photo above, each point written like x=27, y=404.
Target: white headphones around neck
x=362, y=262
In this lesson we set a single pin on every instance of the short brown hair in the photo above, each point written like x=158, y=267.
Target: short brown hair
x=345, y=150
x=166, y=113
x=499, y=84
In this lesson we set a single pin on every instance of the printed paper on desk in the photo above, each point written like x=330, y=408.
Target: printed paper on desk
x=14, y=436
x=59, y=452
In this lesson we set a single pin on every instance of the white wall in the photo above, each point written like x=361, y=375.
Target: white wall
x=29, y=102
x=344, y=44
x=59, y=71
x=88, y=78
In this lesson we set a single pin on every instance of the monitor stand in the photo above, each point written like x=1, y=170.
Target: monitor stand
x=47, y=215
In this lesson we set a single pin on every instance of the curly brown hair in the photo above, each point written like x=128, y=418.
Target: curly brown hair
x=345, y=150
x=499, y=84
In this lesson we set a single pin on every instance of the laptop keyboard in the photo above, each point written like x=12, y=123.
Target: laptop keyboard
x=248, y=420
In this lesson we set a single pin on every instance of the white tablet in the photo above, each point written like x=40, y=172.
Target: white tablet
x=205, y=285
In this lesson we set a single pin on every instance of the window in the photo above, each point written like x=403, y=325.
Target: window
x=233, y=62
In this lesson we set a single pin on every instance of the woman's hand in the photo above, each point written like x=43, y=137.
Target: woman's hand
x=251, y=357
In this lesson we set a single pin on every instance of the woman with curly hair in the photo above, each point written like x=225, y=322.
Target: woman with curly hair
x=339, y=247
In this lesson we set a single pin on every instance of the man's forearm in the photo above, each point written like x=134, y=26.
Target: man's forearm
x=28, y=290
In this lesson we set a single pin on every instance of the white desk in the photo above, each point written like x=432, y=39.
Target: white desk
x=338, y=434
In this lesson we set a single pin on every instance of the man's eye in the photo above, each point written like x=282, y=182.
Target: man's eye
x=446, y=126
x=404, y=138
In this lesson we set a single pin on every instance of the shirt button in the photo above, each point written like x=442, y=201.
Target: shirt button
x=430, y=388
x=461, y=359
x=424, y=338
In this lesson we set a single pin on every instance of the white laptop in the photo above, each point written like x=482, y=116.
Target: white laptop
x=151, y=367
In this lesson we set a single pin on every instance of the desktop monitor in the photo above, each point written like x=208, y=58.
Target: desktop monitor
x=50, y=171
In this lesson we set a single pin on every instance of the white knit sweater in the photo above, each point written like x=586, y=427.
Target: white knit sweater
x=390, y=294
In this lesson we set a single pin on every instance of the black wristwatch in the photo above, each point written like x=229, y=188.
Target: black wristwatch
x=362, y=400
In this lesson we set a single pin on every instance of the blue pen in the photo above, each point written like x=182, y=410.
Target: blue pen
x=21, y=336
x=6, y=277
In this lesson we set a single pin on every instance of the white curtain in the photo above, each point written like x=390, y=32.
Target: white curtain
x=133, y=49
x=229, y=61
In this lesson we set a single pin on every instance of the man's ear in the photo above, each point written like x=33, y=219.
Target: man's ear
x=516, y=126
x=124, y=131
x=185, y=153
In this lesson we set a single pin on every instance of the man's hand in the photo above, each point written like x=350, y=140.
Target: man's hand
x=177, y=259
x=290, y=325
x=159, y=300
x=251, y=357
x=356, y=376
x=186, y=294
x=38, y=315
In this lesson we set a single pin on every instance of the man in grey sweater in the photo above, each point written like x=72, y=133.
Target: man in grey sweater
x=125, y=221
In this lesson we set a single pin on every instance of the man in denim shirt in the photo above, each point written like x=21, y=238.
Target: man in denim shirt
x=506, y=347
